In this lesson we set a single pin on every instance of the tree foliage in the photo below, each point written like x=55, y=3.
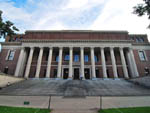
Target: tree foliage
x=7, y=28
x=143, y=9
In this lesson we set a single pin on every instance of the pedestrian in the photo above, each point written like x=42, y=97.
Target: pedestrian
x=81, y=77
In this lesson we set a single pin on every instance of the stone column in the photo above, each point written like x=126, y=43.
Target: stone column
x=114, y=67
x=129, y=60
x=82, y=61
x=59, y=62
x=29, y=62
x=38, y=68
x=103, y=63
x=123, y=63
x=133, y=63
x=70, y=62
x=24, y=60
x=93, y=63
x=48, y=70
x=18, y=67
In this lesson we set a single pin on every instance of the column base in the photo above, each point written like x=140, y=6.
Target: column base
x=58, y=78
x=94, y=78
x=106, y=79
x=69, y=79
x=116, y=79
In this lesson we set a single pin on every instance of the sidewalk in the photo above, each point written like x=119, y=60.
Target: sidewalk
x=60, y=104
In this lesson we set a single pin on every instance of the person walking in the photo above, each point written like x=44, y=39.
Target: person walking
x=81, y=77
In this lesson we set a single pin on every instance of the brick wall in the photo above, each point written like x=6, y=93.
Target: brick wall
x=10, y=63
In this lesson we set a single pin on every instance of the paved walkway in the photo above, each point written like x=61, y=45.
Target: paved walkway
x=60, y=104
x=5, y=79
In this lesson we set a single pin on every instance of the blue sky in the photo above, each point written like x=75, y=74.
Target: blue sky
x=74, y=14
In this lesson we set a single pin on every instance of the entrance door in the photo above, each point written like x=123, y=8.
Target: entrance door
x=65, y=74
x=87, y=73
x=76, y=74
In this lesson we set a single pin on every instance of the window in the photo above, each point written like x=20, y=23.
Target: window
x=142, y=55
x=66, y=58
x=132, y=38
x=96, y=58
x=76, y=58
x=57, y=58
x=86, y=58
x=11, y=55
x=139, y=39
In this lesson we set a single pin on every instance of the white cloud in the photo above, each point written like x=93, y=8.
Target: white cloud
x=117, y=15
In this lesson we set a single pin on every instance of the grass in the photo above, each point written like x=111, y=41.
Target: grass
x=127, y=110
x=5, y=109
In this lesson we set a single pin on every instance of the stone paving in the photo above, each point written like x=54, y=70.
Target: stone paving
x=5, y=80
x=75, y=96
x=60, y=104
x=143, y=81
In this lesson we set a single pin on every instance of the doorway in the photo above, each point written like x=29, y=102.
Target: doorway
x=87, y=73
x=76, y=74
x=65, y=73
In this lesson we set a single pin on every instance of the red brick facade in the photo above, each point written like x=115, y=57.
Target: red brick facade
x=77, y=35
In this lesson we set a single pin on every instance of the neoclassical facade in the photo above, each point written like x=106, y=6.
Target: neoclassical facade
x=69, y=54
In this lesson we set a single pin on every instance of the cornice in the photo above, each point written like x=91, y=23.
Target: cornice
x=75, y=31
x=141, y=44
x=76, y=41
x=11, y=43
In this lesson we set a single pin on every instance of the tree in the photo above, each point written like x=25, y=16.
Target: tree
x=143, y=9
x=7, y=28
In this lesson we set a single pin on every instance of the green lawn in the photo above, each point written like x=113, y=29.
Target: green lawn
x=127, y=110
x=4, y=109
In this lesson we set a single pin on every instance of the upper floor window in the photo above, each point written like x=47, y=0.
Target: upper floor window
x=76, y=58
x=142, y=55
x=57, y=58
x=139, y=39
x=132, y=38
x=96, y=58
x=11, y=55
x=66, y=58
x=86, y=58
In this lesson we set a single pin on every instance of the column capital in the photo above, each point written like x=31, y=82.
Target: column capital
x=130, y=48
x=111, y=48
x=102, y=47
x=31, y=47
x=50, y=47
x=70, y=47
x=22, y=48
x=121, y=48
x=92, y=47
x=81, y=47
x=60, y=47
x=41, y=47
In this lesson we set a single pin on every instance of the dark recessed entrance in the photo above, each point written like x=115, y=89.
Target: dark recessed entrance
x=76, y=74
x=97, y=73
x=87, y=73
x=55, y=73
x=65, y=74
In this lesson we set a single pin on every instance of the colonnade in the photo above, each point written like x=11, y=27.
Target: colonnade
x=130, y=57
